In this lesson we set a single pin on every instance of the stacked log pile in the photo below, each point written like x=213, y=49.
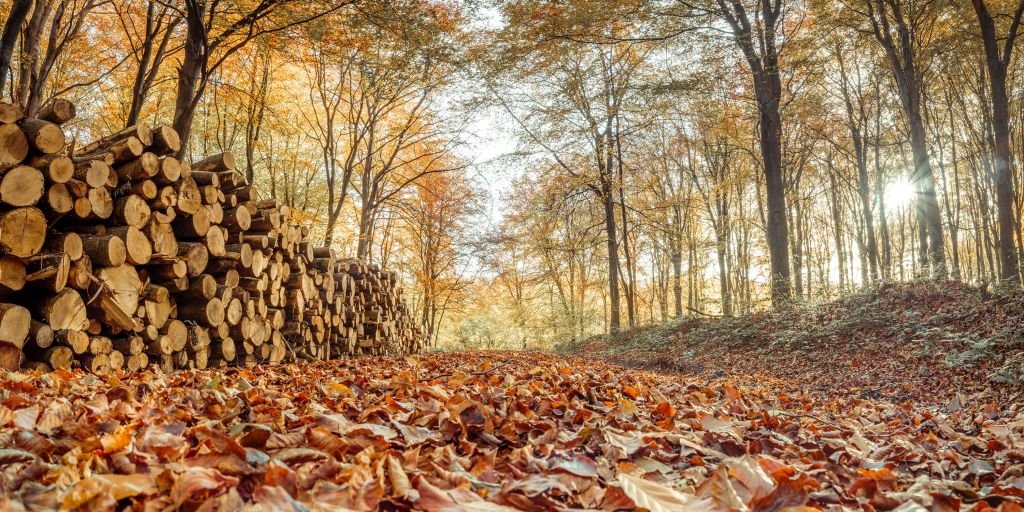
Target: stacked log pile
x=116, y=255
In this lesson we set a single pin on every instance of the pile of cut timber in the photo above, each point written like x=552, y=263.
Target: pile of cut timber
x=117, y=255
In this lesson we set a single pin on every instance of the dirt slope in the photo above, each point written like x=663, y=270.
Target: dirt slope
x=925, y=342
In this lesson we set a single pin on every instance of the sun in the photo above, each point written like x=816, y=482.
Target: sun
x=899, y=193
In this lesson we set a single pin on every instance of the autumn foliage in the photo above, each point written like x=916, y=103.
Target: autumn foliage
x=498, y=431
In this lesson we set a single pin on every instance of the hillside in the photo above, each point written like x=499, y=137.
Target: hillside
x=927, y=342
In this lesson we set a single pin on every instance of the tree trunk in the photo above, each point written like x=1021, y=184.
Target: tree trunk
x=614, y=319
x=997, y=67
x=192, y=67
x=777, y=228
x=676, y=245
x=19, y=11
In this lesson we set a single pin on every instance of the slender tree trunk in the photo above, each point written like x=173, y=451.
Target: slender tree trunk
x=997, y=68
x=629, y=281
x=608, y=198
x=721, y=247
x=676, y=245
x=12, y=27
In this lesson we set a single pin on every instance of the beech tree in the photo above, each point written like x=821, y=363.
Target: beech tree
x=997, y=61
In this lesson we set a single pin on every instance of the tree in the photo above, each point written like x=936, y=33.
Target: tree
x=62, y=21
x=216, y=30
x=901, y=31
x=759, y=42
x=997, y=61
x=19, y=11
x=436, y=225
x=149, y=48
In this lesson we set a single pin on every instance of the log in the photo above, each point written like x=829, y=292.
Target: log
x=22, y=231
x=94, y=173
x=202, y=288
x=138, y=248
x=145, y=189
x=59, y=200
x=100, y=203
x=215, y=164
x=80, y=275
x=165, y=140
x=59, y=358
x=131, y=210
x=105, y=250
x=237, y=219
x=49, y=271
x=146, y=166
x=195, y=255
x=10, y=113
x=131, y=345
x=58, y=111
x=22, y=186
x=13, y=145
x=43, y=136
x=209, y=314
x=189, y=199
x=15, y=322
x=40, y=334
x=12, y=274
x=162, y=237
x=169, y=172
x=64, y=310
x=56, y=168
x=99, y=363
x=142, y=134
x=193, y=226
x=117, y=290
x=77, y=341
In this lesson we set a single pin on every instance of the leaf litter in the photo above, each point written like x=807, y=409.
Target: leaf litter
x=490, y=432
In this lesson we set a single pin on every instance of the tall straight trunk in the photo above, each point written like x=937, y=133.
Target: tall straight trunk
x=864, y=189
x=630, y=284
x=12, y=27
x=837, y=227
x=796, y=249
x=629, y=276
x=857, y=120
x=928, y=213
x=777, y=228
x=30, y=49
x=608, y=198
x=997, y=63
x=761, y=53
x=676, y=246
x=721, y=247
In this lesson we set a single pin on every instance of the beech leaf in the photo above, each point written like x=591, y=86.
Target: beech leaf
x=659, y=498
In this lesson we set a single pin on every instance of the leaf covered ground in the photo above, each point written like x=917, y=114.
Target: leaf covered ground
x=937, y=343
x=490, y=432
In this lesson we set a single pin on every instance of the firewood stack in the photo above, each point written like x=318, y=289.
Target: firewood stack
x=116, y=255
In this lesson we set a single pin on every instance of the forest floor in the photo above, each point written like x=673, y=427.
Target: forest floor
x=741, y=414
x=930, y=342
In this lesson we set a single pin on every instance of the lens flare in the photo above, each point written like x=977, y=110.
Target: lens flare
x=899, y=193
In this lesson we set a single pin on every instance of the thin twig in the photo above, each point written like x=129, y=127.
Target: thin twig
x=475, y=374
x=809, y=416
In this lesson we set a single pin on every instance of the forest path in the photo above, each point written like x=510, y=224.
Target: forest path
x=451, y=431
